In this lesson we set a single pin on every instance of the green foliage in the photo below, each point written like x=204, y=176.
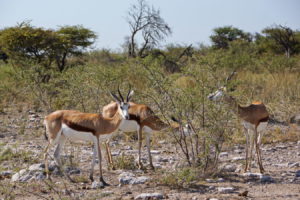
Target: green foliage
x=280, y=39
x=8, y=154
x=181, y=178
x=24, y=43
x=224, y=35
x=125, y=162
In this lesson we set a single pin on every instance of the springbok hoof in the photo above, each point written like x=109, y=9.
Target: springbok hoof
x=103, y=182
x=152, y=167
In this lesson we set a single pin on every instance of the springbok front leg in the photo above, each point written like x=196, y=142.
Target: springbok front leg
x=100, y=163
x=252, y=140
x=95, y=152
x=247, y=148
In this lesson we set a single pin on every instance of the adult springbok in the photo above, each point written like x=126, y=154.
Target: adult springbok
x=141, y=119
x=75, y=125
x=254, y=119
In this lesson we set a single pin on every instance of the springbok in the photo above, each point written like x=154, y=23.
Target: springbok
x=141, y=119
x=75, y=125
x=254, y=119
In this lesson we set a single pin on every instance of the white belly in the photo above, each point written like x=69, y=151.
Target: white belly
x=76, y=135
x=129, y=126
x=262, y=126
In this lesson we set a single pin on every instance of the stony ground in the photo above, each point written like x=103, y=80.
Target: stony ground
x=22, y=176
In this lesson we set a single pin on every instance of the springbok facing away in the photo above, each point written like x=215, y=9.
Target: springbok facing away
x=77, y=126
x=141, y=119
x=254, y=118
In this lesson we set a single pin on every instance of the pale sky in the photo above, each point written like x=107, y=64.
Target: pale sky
x=192, y=21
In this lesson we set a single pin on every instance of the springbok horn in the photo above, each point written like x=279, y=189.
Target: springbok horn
x=120, y=93
x=115, y=97
x=128, y=94
x=230, y=76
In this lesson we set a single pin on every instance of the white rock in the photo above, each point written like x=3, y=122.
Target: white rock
x=263, y=178
x=25, y=178
x=223, y=154
x=127, y=148
x=37, y=167
x=115, y=153
x=229, y=168
x=164, y=142
x=281, y=147
x=149, y=196
x=17, y=175
x=39, y=176
x=297, y=164
x=140, y=180
x=266, y=179
x=6, y=173
x=155, y=152
x=238, y=158
x=250, y=174
x=161, y=159
x=225, y=190
x=282, y=164
x=127, y=178
x=97, y=185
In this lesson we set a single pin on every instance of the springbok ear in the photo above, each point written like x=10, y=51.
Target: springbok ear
x=130, y=93
x=115, y=97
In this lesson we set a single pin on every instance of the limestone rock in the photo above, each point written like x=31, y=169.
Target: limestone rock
x=226, y=190
x=146, y=196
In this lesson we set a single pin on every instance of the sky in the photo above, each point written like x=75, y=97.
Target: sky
x=192, y=21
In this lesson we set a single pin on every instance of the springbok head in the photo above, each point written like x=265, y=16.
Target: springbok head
x=220, y=93
x=123, y=105
x=217, y=95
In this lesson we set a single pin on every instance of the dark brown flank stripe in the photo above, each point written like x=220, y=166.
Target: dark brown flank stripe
x=264, y=119
x=78, y=127
x=135, y=118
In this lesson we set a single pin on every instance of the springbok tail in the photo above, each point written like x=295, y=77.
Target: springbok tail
x=45, y=133
x=175, y=120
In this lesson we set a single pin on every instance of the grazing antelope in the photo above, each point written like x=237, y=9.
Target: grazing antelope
x=141, y=119
x=75, y=125
x=254, y=119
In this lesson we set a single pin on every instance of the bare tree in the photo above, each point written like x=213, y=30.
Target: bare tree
x=146, y=20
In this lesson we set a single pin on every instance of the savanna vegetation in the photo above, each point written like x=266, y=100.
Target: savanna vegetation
x=45, y=70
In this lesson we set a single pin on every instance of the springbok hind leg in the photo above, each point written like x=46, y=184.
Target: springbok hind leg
x=149, y=151
x=258, y=152
x=140, y=139
x=247, y=148
x=110, y=162
x=46, y=160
